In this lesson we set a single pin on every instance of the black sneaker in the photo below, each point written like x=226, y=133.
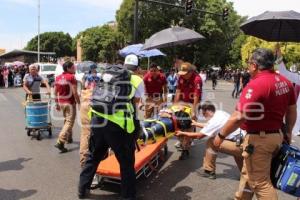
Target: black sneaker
x=184, y=155
x=208, y=174
x=61, y=147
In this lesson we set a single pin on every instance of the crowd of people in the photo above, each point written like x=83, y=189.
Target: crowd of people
x=251, y=134
x=12, y=76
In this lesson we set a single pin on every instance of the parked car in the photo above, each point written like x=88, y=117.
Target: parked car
x=47, y=71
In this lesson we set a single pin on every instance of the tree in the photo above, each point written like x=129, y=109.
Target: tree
x=290, y=51
x=58, y=42
x=100, y=43
x=214, y=50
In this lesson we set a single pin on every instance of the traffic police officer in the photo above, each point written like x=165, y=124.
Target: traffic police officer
x=264, y=102
x=116, y=136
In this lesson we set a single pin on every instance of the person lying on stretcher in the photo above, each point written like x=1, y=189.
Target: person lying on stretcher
x=169, y=120
x=231, y=145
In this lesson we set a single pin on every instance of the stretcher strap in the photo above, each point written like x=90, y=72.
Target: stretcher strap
x=150, y=120
x=164, y=127
x=149, y=129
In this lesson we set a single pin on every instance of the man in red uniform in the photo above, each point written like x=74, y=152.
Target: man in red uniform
x=189, y=91
x=66, y=99
x=156, y=90
x=264, y=102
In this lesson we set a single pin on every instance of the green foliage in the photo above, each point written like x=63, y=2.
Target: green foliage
x=214, y=50
x=101, y=43
x=58, y=42
x=290, y=51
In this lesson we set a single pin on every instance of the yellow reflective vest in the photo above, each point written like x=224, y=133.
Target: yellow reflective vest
x=124, y=119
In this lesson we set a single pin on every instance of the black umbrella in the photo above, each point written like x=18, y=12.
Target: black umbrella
x=280, y=26
x=171, y=37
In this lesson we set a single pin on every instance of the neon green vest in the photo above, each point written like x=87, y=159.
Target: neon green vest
x=119, y=117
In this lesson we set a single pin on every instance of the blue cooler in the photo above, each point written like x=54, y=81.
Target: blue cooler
x=37, y=114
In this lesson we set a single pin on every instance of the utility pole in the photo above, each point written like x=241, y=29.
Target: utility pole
x=39, y=18
x=136, y=13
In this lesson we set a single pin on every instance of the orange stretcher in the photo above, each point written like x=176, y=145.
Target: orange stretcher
x=146, y=161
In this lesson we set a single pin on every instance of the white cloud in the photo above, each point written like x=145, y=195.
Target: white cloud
x=23, y=2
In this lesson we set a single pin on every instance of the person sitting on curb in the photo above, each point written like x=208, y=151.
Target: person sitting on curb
x=231, y=145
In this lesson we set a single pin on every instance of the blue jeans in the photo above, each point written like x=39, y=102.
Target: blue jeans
x=236, y=90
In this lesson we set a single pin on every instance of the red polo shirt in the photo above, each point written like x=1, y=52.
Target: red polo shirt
x=63, y=85
x=265, y=100
x=189, y=88
x=154, y=85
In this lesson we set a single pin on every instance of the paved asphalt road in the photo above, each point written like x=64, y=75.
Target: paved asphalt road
x=31, y=169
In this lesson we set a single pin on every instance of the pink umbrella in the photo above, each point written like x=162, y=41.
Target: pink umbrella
x=18, y=63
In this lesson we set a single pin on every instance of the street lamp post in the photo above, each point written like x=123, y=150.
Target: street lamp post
x=39, y=17
x=135, y=26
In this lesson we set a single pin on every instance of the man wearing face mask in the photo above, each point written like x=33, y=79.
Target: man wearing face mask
x=156, y=90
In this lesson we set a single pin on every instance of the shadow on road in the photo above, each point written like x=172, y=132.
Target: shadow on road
x=165, y=182
x=232, y=173
x=15, y=194
x=76, y=147
x=13, y=164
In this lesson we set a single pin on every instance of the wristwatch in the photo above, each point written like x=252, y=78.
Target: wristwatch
x=221, y=136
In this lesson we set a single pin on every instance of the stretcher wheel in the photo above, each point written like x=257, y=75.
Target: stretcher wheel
x=166, y=149
x=49, y=132
x=28, y=132
x=38, y=136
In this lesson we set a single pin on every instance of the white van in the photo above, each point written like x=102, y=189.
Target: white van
x=47, y=71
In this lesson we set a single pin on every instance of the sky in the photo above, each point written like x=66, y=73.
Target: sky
x=18, y=18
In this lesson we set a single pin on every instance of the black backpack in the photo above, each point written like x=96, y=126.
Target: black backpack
x=112, y=92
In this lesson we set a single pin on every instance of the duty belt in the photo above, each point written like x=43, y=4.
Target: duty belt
x=266, y=132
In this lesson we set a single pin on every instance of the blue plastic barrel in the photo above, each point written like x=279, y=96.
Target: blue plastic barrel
x=37, y=114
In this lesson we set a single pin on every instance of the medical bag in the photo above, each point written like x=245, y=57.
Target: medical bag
x=285, y=170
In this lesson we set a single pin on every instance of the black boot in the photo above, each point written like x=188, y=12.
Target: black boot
x=60, y=145
x=83, y=193
x=184, y=155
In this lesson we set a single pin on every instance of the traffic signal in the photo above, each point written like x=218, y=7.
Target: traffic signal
x=188, y=7
x=225, y=14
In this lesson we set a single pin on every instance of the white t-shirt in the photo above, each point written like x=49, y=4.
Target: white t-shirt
x=216, y=123
x=203, y=77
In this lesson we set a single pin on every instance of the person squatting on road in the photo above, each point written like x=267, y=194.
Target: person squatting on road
x=116, y=129
x=66, y=97
x=231, y=145
x=32, y=83
x=264, y=102
x=189, y=91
